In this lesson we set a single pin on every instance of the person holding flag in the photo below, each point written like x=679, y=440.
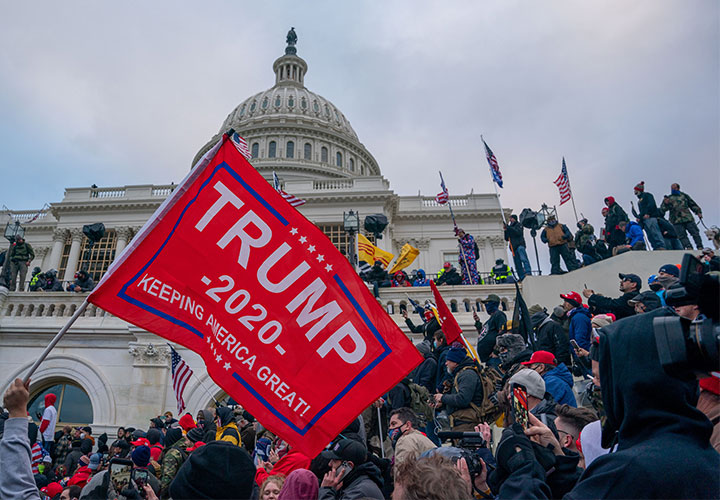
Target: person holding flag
x=467, y=259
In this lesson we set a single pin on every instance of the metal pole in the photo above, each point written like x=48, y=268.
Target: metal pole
x=533, y=233
x=382, y=442
x=78, y=312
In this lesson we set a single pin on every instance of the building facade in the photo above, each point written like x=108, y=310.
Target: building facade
x=110, y=373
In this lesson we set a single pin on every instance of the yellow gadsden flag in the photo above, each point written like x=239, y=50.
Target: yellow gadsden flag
x=370, y=253
x=408, y=254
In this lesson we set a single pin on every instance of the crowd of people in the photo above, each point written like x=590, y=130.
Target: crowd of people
x=597, y=417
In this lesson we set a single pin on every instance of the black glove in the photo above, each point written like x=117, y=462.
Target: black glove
x=515, y=449
x=131, y=493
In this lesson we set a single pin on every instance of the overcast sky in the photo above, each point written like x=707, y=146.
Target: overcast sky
x=117, y=93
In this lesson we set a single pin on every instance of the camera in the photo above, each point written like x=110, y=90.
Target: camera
x=686, y=346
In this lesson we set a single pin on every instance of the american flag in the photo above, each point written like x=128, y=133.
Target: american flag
x=181, y=373
x=442, y=197
x=241, y=145
x=494, y=167
x=293, y=200
x=563, y=184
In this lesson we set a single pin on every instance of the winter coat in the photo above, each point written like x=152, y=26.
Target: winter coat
x=377, y=274
x=412, y=445
x=291, y=461
x=661, y=436
x=449, y=277
x=580, y=327
x=515, y=234
x=421, y=279
x=559, y=383
x=619, y=307
x=550, y=336
x=364, y=481
x=86, y=284
x=22, y=252
x=647, y=206
x=556, y=235
x=425, y=373
x=81, y=477
x=615, y=215
x=442, y=374
x=583, y=237
x=487, y=336
x=667, y=229
x=427, y=329
x=400, y=279
x=634, y=233
x=466, y=388
x=680, y=207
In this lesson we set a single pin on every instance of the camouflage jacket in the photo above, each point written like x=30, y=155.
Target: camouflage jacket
x=583, y=236
x=680, y=206
x=173, y=458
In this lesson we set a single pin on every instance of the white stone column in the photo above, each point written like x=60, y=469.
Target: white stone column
x=77, y=235
x=123, y=237
x=59, y=237
x=40, y=254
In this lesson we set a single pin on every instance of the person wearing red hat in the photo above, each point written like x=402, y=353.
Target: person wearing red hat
x=187, y=422
x=557, y=377
x=52, y=489
x=709, y=404
x=615, y=215
x=580, y=327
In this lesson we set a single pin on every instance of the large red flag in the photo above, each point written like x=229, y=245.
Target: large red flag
x=227, y=268
x=448, y=323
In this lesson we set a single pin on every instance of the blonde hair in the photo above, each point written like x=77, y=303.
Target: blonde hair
x=278, y=479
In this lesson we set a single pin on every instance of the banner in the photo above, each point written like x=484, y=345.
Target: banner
x=408, y=254
x=228, y=269
x=370, y=253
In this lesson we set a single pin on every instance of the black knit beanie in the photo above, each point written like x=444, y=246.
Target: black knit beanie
x=216, y=470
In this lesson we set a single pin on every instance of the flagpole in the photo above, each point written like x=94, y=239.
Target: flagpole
x=460, y=248
x=492, y=180
x=199, y=381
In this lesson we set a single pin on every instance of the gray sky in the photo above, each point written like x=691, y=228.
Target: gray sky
x=118, y=93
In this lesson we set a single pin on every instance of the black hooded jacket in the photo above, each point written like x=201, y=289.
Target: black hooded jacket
x=663, y=440
x=364, y=481
x=550, y=336
x=427, y=329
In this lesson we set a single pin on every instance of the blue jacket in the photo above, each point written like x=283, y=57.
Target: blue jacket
x=580, y=327
x=559, y=383
x=421, y=279
x=634, y=233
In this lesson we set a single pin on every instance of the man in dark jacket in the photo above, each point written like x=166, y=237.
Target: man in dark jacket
x=514, y=233
x=426, y=371
x=669, y=234
x=450, y=276
x=351, y=476
x=630, y=285
x=83, y=283
x=615, y=215
x=580, y=328
x=428, y=328
x=557, y=236
x=466, y=393
x=548, y=334
x=648, y=214
x=378, y=277
x=557, y=377
x=585, y=242
x=440, y=351
x=661, y=436
x=493, y=327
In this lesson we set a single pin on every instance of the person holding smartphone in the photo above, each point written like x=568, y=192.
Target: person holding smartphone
x=351, y=475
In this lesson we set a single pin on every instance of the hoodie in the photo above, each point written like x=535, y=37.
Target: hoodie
x=426, y=371
x=364, y=481
x=228, y=430
x=559, y=383
x=661, y=436
x=49, y=418
x=421, y=279
x=580, y=326
x=634, y=233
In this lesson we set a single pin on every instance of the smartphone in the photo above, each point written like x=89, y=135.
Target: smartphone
x=574, y=344
x=140, y=477
x=519, y=407
x=343, y=470
x=120, y=472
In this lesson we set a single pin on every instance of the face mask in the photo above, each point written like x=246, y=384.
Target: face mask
x=675, y=191
x=82, y=435
x=394, y=435
x=552, y=223
x=667, y=281
x=491, y=307
x=638, y=194
x=435, y=344
x=503, y=356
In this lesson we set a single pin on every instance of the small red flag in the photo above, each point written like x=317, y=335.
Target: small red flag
x=448, y=323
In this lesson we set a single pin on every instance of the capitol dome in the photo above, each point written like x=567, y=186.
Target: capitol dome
x=295, y=132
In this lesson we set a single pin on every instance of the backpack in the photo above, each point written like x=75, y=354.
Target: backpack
x=419, y=397
x=488, y=410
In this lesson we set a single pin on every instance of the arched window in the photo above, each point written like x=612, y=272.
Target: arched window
x=72, y=404
x=307, y=151
x=255, y=150
x=265, y=103
x=352, y=165
x=290, y=149
x=338, y=159
x=272, y=149
x=324, y=155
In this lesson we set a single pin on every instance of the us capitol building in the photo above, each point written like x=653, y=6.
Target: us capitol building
x=108, y=372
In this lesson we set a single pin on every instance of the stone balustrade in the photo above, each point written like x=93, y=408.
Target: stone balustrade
x=44, y=305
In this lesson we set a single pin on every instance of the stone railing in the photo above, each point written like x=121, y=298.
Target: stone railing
x=454, y=201
x=333, y=185
x=163, y=191
x=44, y=305
x=25, y=216
x=107, y=192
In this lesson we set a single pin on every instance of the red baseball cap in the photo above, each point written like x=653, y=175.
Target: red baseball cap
x=572, y=297
x=545, y=357
x=141, y=442
x=52, y=489
x=711, y=384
